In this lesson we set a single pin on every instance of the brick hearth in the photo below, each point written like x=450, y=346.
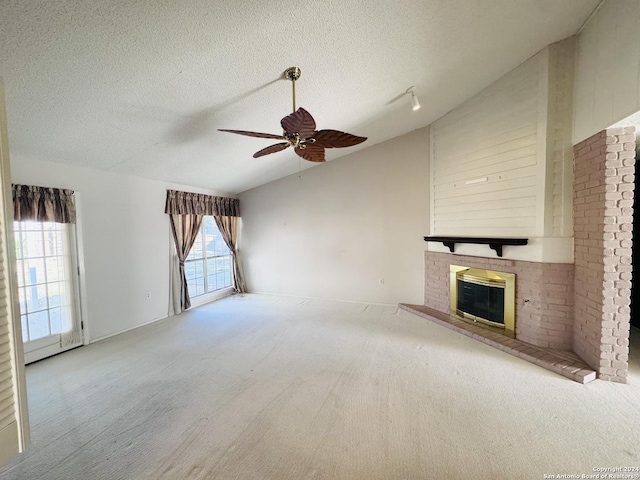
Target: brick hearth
x=564, y=363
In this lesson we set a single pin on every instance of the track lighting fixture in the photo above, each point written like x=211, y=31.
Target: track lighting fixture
x=415, y=104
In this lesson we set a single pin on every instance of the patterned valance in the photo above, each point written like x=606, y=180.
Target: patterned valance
x=43, y=204
x=187, y=203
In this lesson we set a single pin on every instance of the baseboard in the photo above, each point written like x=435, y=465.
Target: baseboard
x=127, y=329
x=210, y=298
x=359, y=302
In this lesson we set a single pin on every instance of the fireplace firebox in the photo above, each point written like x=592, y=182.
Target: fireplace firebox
x=484, y=297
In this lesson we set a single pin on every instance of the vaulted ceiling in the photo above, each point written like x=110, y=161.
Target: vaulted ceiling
x=141, y=87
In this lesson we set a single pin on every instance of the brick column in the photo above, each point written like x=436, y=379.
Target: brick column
x=603, y=221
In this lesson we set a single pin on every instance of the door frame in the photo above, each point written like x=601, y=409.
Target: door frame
x=45, y=347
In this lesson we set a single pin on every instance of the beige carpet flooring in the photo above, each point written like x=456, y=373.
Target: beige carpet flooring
x=267, y=387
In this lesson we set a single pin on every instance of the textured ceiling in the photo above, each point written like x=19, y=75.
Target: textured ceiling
x=140, y=87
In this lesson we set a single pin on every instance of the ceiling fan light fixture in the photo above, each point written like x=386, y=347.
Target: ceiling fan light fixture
x=415, y=104
x=299, y=131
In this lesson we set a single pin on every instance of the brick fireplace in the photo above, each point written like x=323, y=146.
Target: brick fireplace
x=544, y=295
x=580, y=308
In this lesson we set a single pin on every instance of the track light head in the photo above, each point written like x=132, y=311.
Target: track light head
x=415, y=104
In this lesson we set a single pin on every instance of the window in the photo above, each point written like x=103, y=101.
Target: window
x=45, y=286
x=208, y=266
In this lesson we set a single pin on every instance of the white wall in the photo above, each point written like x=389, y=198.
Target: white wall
x=125, y=237
x=502, y=162
x=334, y=230
x=486, y=159
x=608, y=68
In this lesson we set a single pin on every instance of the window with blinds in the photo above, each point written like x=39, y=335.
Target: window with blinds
x=208, y=266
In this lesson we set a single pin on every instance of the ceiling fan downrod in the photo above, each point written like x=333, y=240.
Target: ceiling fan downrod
x=293, y=74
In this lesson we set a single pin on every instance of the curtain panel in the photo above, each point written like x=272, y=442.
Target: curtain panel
x=43, y=204
x=187, y=203
x=228, y=227
x=185, y=230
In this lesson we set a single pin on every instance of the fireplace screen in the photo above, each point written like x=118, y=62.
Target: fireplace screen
x=481, y=300
x=484, y=296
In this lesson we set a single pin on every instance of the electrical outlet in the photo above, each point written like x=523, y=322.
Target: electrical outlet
x=381, y=281
x=148, y=294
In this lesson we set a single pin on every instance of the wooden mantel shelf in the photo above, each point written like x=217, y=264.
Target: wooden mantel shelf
x=494, y=243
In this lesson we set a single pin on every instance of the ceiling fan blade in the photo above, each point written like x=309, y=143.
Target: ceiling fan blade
x=312, y=153
x=300, y=122
x=336, y=139
x=253, y=134
x=271, y=149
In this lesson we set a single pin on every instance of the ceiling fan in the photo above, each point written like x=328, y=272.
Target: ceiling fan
x=300, y=132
